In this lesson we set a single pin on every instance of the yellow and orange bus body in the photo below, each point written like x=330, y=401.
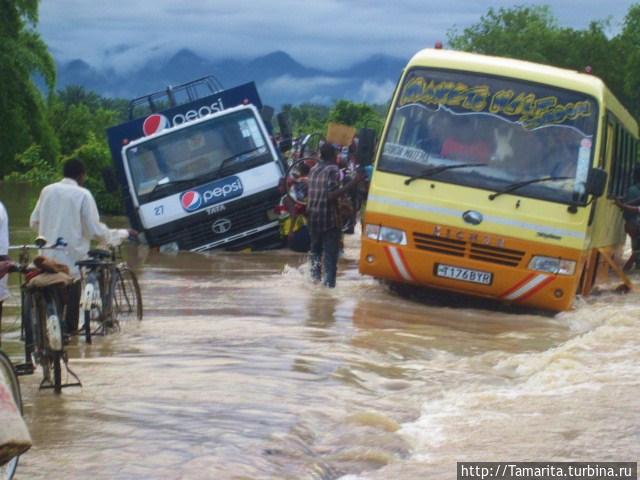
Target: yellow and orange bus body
x=449, y=221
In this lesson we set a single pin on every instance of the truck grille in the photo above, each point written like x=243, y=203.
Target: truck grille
x=196, y=230
x=461, y=248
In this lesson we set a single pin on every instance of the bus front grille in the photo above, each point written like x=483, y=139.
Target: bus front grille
x=499, y=255
x=474, y=251
x=433, y=243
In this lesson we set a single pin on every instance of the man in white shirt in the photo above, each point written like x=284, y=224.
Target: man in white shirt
x=66, y=209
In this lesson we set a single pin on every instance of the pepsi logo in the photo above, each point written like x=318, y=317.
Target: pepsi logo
x=191, y=200
x=155, y=123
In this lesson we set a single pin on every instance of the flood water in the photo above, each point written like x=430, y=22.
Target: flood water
x=242, y=369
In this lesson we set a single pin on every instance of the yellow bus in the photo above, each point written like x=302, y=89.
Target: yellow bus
x=497, y=178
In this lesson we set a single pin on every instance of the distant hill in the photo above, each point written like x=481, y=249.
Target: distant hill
x=279, y=77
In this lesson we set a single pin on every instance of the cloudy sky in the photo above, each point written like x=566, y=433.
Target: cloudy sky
x=317, y=33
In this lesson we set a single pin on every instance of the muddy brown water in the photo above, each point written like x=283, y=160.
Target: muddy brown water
x=242, y=369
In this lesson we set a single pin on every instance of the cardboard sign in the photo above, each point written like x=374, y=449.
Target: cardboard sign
x=340, y=134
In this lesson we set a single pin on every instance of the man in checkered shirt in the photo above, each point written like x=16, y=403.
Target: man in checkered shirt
x=322, y=212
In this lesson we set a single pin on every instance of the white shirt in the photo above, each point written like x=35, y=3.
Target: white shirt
x=68, y=210
x=4, y=249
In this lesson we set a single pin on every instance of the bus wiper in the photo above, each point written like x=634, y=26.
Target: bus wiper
x=516, y=186
x=435, y=170
x=234, y=157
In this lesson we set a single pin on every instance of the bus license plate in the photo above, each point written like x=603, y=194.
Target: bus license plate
x=463, y=274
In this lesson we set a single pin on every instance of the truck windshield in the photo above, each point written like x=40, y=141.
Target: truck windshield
x=201, y=152
x=502, y=131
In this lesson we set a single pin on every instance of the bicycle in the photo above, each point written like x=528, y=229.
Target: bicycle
x=41, y=304
x=9, y=377
x=110, y=291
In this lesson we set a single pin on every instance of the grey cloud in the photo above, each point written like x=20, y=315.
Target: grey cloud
x=327, y=34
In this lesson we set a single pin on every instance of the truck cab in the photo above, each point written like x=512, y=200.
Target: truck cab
x=201, y=175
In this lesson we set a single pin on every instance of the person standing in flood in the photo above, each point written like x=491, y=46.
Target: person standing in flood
x=66, y=209
x=324, y=221
x=630, y=205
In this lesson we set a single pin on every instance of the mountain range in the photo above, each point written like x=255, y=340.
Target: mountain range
x=280, y=79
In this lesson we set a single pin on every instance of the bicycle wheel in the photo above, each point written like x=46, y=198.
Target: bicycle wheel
x=53, y=329
x=57, y=371
x=48, y=337
x=126, y=297
x=89, y=305
x=8, y=376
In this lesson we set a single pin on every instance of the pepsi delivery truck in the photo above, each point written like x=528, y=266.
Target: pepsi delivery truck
x=201, y=175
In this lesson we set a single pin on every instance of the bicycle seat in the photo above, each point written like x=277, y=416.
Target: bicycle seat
x=99, y=254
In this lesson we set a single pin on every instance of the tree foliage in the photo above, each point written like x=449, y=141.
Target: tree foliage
x=354, y=114
x=307, y=117
x=23, y=57
x=532, y=33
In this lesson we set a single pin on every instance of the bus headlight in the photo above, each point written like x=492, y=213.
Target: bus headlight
x=555, y=265
x=386, y=234
x=372, y=231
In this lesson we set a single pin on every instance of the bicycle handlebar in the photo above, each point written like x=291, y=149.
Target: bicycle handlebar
x=40, y=243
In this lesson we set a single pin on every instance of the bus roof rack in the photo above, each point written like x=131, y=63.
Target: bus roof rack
x=173, y=96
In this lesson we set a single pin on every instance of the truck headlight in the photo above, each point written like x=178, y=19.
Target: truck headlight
x=386, y=234
x=555, y=265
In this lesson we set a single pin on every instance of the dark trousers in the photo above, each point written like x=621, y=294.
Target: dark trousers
x=74, y=291
x=325, y=247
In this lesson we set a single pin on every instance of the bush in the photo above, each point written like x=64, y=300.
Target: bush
x=35, y=169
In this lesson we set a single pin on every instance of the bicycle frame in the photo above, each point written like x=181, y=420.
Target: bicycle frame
x=42, y=326
x=95, y=300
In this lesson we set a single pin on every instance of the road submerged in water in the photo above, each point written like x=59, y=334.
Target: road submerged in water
x=242, y=369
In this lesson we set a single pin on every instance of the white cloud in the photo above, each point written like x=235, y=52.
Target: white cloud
x=300, y=85
x=372, y=92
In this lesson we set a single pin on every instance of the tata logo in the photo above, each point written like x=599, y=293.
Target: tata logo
x=211, y=194
x=472, y=217
x=191, y=200
x=222, y=225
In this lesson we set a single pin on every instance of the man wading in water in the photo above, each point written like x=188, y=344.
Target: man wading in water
x=324, y=221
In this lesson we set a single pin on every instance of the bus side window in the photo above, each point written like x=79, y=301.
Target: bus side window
x=609, y=158
x=396, y=129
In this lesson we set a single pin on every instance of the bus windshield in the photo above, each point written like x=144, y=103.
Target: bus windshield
x=202, y=152
x=492, y=133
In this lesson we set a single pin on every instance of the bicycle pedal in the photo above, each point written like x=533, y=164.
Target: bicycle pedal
x=24, y=369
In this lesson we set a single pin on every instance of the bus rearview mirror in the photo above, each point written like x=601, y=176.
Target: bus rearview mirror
x=596, y=182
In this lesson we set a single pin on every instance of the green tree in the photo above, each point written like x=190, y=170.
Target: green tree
x=307, y=117
x=75, y=113
x=627, y=44
x=354, y=114
x=96, y=157
x=532, y=33
x=23, y=57
x=524, y=32
x=35, y=169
